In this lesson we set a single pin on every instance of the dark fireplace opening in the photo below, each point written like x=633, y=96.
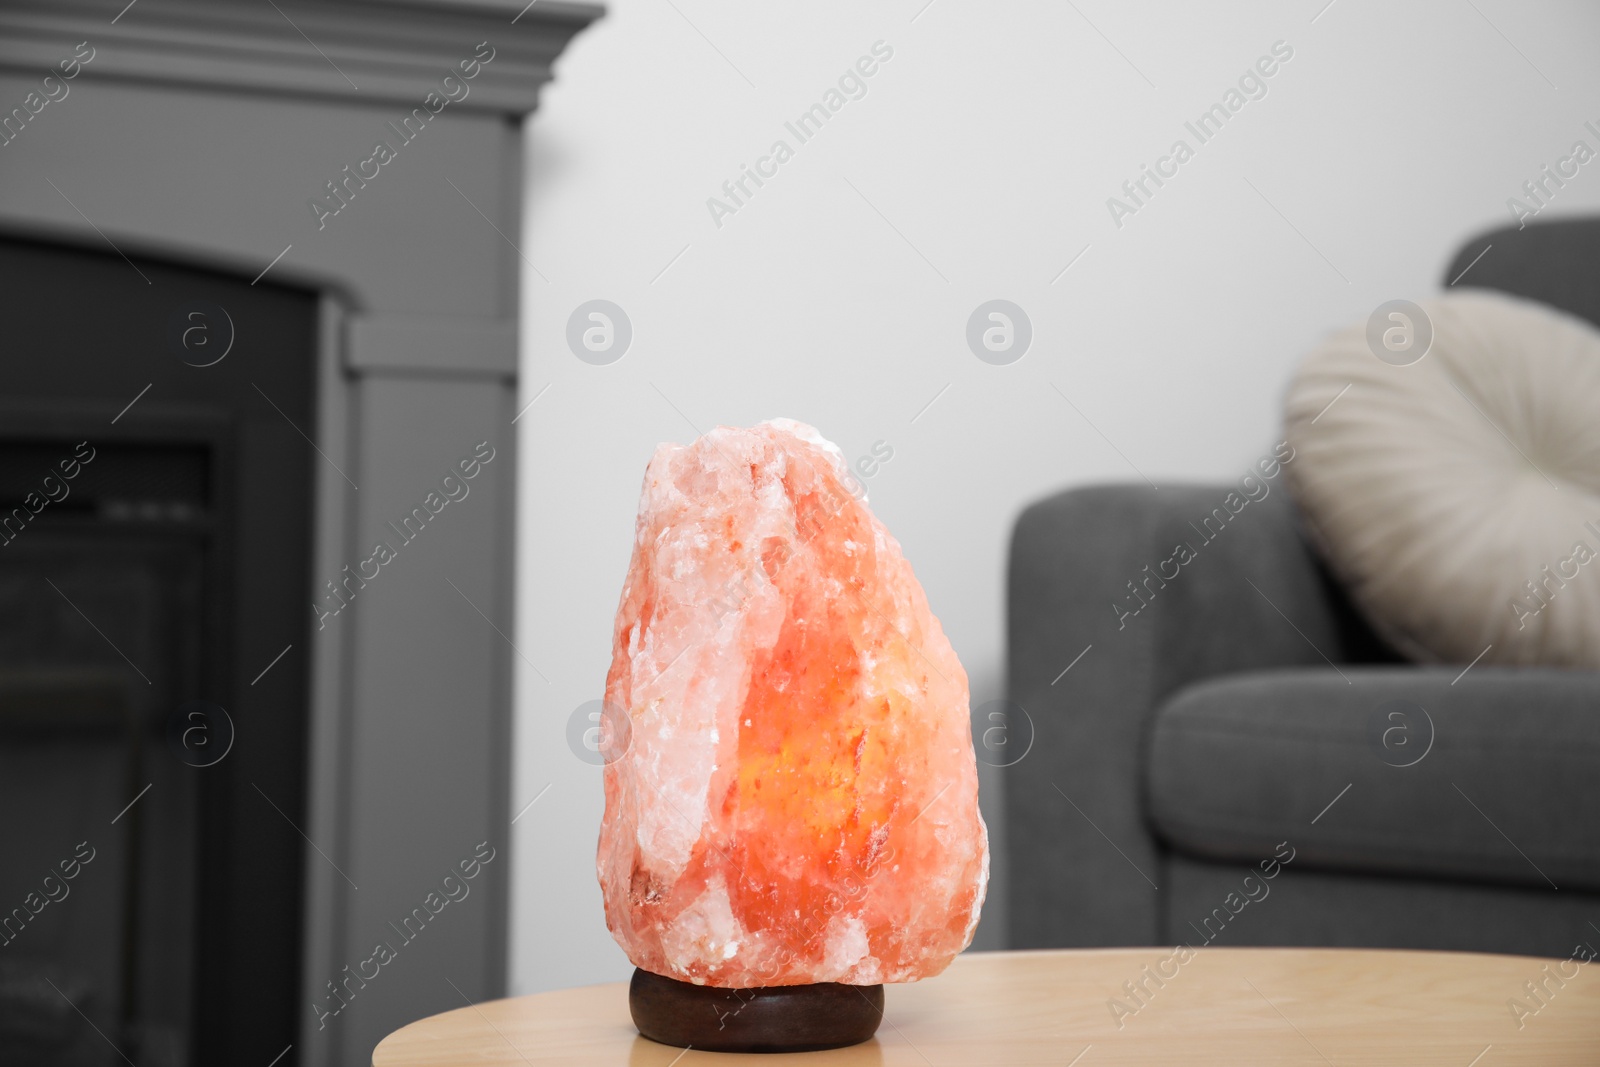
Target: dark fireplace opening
x=156, y=517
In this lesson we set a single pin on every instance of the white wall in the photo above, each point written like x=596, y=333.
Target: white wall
x=990, y=141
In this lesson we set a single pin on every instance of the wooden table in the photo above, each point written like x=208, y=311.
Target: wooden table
x=1223, y=1006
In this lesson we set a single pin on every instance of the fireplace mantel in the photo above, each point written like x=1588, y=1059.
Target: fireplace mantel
x=201, y=133
x=386, y=49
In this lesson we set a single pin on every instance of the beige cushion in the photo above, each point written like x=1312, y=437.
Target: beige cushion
x=1458, y=497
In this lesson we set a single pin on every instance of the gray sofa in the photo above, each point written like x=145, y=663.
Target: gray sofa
x=1246, y=723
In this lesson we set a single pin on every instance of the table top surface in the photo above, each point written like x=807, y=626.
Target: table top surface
x=1222, y=1006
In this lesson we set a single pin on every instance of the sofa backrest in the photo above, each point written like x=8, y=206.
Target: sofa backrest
x=1556, y=263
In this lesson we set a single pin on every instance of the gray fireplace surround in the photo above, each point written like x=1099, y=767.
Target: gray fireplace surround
x=371, y=152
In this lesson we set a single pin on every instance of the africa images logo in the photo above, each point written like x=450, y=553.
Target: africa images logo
x=1252, y=85
x=851, y=85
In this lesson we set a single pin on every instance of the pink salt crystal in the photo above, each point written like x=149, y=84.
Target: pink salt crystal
x=798, y=801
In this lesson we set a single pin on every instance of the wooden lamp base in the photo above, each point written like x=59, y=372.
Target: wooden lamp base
x=791, y=1018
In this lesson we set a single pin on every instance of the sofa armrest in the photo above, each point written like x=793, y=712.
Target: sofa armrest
x=1248, y=595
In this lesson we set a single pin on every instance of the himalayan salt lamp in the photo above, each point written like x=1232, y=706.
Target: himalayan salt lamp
x=794, y=820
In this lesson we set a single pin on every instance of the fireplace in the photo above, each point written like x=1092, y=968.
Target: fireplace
x=155, y=532
x=215, y=400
